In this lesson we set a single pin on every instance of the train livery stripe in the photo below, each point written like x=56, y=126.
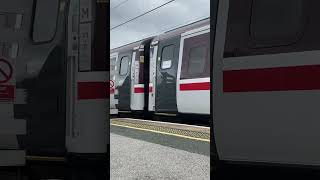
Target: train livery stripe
x=272, y=79
x=112, y=90
x=139, y=90
x=195, y=86
x=7, y=92
x=92, y=90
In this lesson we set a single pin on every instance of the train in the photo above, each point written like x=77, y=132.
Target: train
x=165, y=75
x=52, y=84
x=265, y=82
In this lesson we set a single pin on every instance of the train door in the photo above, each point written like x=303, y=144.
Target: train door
x=193, y=87
x=167, y=65
x=265, y=81
x=42, y=79
x=152, y=75
x=137, y=84
x=124, y=80
x=86, y=132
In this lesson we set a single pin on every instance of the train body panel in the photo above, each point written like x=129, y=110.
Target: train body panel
x=193, y=87
x=152, y=75
x=265, y=96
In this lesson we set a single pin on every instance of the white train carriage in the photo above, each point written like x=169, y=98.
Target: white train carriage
x=131, y=75
x=266, y=92
x=180, y=70
x=169, y=73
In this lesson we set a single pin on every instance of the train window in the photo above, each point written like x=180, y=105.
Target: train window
x=167, y=57
x=276, y=23
x=124, y=66
x=195, y=57
x=197, y=60
x=45, y=20
x=258, y=27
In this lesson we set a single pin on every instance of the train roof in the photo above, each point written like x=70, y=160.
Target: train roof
x=182, y=29
x=166, y=35
x=131, y=45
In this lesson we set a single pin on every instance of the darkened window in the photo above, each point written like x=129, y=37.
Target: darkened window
x=195, y=57
x=197, y=60
x=167, y=57
x=124, y=66
x=276, y=23
x=258, y=27
x=45, y=20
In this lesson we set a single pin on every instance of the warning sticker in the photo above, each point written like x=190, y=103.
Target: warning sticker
x=111, y=84
x=85, y=47
x=6, y=71
x=6, y=93
x=85, y=10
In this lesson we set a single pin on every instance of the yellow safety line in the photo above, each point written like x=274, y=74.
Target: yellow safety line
x=159, y=132
x=44, y=158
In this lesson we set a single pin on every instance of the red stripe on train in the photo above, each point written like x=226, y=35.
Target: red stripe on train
x=112, y=90
x=272, y=79
x=139, y=90
x=195, y=86
x=7, y=93
x=92, y=90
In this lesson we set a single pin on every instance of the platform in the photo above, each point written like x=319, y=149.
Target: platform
x=173, y=129
x=142, y=149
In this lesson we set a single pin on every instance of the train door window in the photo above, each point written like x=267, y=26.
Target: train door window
x=45, y=20
x=197, y=60
x=276, y=23
x=167, y=57
x=257, y=27
x=124, y=66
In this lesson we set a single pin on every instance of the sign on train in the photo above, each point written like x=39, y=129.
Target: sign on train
x=6, y=71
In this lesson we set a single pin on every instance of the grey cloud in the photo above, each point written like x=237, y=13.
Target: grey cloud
x=175, y=14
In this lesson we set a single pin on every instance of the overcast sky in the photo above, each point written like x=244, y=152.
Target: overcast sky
x=177, y=13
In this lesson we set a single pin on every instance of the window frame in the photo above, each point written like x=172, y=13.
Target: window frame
x=238, y=41
x=128, y=64
x=34, y=20
x=257, y=44
x=189, y=43
x=161, y=62
x=202, y=45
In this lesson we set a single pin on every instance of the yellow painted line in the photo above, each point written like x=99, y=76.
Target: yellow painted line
x=166, y=114
x=159, y=132
x=45, y=158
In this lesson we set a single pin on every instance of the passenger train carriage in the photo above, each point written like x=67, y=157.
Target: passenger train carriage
x=54, y=103
x=266, y=81
x=167, y=74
